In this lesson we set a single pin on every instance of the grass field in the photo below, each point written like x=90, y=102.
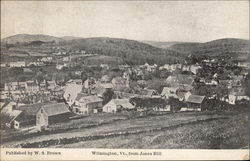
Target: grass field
x=203, y=130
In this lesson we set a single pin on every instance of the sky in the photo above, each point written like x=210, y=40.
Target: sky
x=193, y=21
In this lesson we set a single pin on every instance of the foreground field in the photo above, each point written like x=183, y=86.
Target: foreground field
x=205, y=130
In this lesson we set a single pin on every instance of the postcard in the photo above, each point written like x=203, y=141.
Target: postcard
x=125, y=80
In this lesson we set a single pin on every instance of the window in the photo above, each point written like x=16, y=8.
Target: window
x=41, y=110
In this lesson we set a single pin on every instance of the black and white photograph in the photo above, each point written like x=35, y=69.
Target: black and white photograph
x=125, y=75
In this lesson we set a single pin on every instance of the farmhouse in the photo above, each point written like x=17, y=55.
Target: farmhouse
x=117, y=105
x=52, y=113
x=87, y=104
x=195, y=102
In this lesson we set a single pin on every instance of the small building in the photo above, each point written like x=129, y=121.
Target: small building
x=169, y=92
x=31, y=87
x=87, y=104
x=195, y=102
x=117, y=105
x=237, y=94
x=52, y=113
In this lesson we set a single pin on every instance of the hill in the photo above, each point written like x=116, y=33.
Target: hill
x=160, y=44
x=230, y=46
x=26, y=38
x=131, y=51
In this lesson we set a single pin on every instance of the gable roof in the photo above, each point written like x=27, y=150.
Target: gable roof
x=148, y=92
x=195, y=99
x=30, y=109
x=55, y=109
x=90, y=99
x=80, y=95
x=123, y=102
x=169, y=90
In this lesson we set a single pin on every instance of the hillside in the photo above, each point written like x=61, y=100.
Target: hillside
x=130, y=51
x=233, y=47
x=160, y=44
x=26, y=38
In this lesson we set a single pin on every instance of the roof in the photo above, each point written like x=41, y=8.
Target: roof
x=72, y=90
x=195, y=99
x=148, y=92
x=169, y=90
x=55, y=109
x=180, y=79
x=90, y=99
x=106, y=78
x=80, y=95
x=30, y=109
x=237, y=91
x=31, y=84
x=123, y=102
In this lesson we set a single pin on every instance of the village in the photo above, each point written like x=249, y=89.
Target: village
x=38, y=101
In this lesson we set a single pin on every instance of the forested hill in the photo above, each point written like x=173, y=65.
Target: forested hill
x=27, y=38
x=130, y=51
x=231, y=46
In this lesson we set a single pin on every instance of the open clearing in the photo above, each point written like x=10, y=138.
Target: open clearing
x=210, y=130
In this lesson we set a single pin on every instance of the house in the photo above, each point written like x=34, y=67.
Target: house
x=149, y=92
x=194, y=69
x=120, y=82
x=89, y=83
x=51, y=85
x=14, y=86
x=71, y=91
x=117, y=105
x=237, y=94
x=104, y=66
x=27, y=70
x=27, y=117
x=31, y=87
x=237, y=80
x=168, y=92
x=52, y=113
x=47, y=59
x=106, y=79
x=87, y=104
x=181, y=80
x=195, y=102
x=17, y=64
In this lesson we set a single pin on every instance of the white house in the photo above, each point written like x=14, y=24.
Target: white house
x=117, y=105
x=87, y=104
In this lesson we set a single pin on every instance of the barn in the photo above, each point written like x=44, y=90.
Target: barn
x=52, y=113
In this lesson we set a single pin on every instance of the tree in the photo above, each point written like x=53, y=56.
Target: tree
x=107, y=96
